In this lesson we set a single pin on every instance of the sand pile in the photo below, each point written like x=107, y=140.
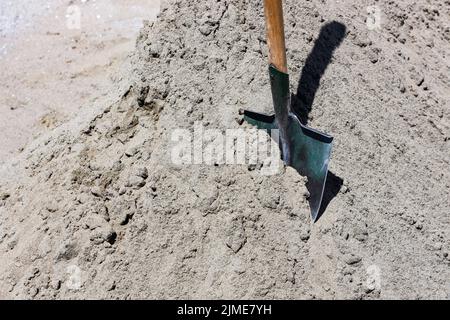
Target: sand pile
x=98, y=209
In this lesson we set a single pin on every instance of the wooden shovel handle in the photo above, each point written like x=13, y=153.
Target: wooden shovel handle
x=273, y=10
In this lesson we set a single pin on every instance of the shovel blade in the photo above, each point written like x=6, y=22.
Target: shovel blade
x=310, y=153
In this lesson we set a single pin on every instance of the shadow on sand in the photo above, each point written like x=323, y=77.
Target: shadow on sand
x=330, y=37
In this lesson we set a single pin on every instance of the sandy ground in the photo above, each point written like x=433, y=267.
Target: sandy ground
x=97, y=208
x=54, y=65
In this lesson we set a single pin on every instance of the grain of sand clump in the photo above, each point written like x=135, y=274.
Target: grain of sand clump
x=96, y=209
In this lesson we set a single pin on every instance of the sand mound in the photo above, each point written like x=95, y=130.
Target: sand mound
x=103, y=212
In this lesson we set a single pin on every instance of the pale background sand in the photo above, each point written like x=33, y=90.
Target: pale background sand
x=49, y=72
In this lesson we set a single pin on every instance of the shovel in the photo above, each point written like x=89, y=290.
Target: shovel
x=303, y=148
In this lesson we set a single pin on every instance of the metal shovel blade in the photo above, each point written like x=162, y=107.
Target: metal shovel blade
x=303, y=148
